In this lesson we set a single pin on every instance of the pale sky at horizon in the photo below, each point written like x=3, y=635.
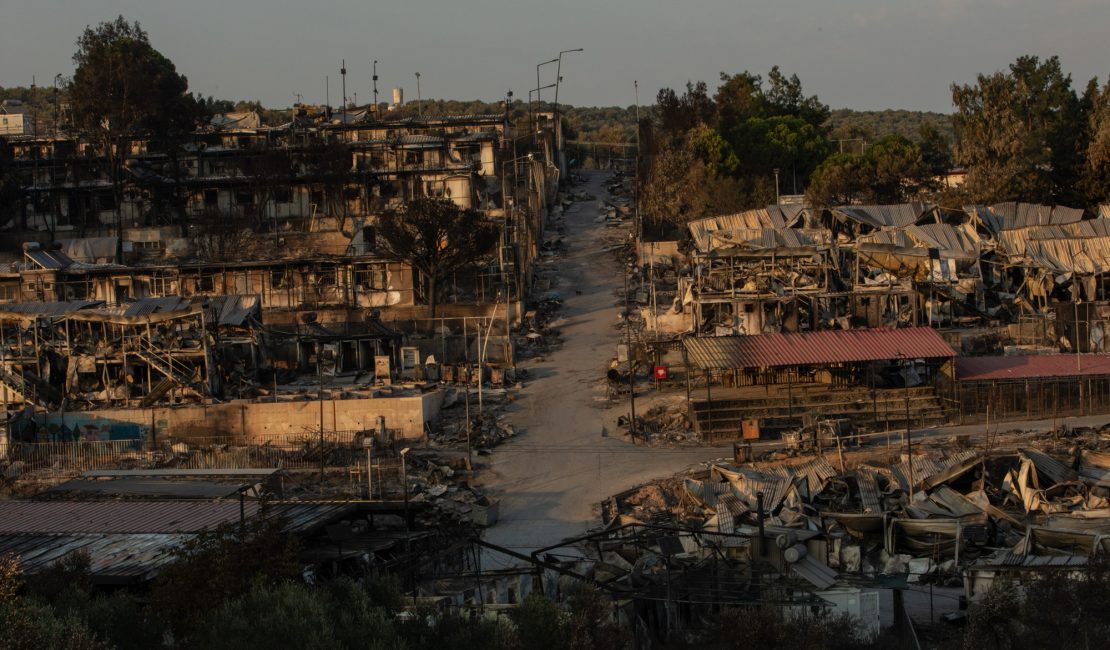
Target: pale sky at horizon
x=861, y=54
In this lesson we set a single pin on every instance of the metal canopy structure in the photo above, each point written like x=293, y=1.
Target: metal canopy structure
x=816, y=348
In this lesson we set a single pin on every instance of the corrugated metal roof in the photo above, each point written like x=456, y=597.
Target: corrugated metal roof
x=756, y=239
x=132, y=556
x=886, y=216
x=29, y=309
x=75, y=517
x=1018, y=560
x=814, y=572
x=778, y=217
x=960, y=242
x=235, y=311
x=80, y=517
x=113, y=557
x=50, y=260
x=149, y=487
x=868, y=485
x=953, y=242
x=1070, y=255
x=1013, y=242
x=1050, y=468
x=147, y=306
x=1031, y=367
x=814, y=348
x=815, y=472
x=1008, y=216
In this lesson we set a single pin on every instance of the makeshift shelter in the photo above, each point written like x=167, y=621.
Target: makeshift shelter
x=818, y=370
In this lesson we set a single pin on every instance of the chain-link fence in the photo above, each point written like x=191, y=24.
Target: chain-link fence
x=300, y=451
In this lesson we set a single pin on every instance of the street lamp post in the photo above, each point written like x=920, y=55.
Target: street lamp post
x=777, y=199
x=57, y=79
x=375, y=80
x=538, y=66
x=559, y=74
x=531, y=112
x=639, y=221
x=628, y=355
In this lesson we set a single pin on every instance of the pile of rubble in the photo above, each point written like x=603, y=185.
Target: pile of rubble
x=665, y=424
x=941, y=516
x=488, y=426
x=442, y=483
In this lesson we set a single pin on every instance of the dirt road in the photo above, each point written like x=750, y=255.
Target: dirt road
x=551, y=478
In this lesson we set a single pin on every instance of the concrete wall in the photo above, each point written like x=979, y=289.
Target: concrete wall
x=243, y=418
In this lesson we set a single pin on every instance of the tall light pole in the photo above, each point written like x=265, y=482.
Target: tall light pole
x=628, y=354
x=57, y=78
x=558, y=120
x=343, y=113
x=533, y=113
x=639, y=221
x=405, y=485
x=419, y=103
x=539, y=97
x=559, y=75
x=538, y=66
x=375, y=80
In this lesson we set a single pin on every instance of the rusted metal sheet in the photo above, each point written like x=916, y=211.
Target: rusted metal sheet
x=868, y=490
x=816, y=348
x=1031, y=367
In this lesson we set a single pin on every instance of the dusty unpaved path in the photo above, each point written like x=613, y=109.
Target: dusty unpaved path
x=551, y=478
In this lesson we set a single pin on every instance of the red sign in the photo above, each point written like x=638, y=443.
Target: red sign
x=660, y=373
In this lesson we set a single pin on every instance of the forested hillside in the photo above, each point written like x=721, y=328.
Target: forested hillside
x=873, y=125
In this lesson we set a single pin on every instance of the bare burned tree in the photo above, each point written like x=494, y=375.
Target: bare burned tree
x=437, y=238
x=220, y=236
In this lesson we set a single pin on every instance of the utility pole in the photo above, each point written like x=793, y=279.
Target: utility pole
x=343, y=76
x=57, y=77
x=419, y=103
x=375, y=80
x=539, y=98
x=558, y=75
x=320, y=399
x=631, y=366
x=636, y=189
x=466, y=389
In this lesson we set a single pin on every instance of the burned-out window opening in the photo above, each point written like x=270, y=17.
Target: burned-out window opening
x=279, y=279
x=372, y=278
x=106, y=201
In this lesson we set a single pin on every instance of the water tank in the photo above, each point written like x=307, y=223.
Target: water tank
x=398, y=96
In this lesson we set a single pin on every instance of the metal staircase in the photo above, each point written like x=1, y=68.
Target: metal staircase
x=174, y=372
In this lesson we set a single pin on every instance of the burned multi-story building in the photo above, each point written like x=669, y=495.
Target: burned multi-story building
x=1007, y=279
x=283, y=218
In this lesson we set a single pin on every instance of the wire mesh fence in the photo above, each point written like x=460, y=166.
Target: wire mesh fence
x=297, y=451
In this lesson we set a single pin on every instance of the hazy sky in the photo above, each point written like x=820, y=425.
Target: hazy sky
x=863, y=54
